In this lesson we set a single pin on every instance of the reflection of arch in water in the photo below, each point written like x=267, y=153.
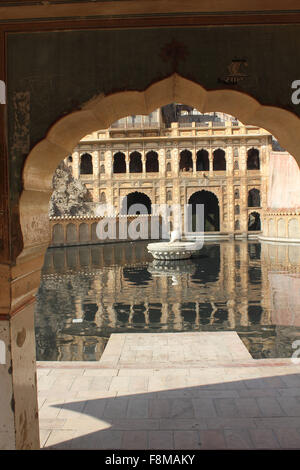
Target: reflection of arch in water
x=208, y=265
x=254, y=198
x=136, y=198
x=254, y=221
x=138, y=276
x=211, y=210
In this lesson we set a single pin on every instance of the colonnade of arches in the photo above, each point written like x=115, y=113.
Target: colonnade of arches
x=135, y=163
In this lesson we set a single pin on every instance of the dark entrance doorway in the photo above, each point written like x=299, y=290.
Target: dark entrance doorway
x=136, y=198
x=211, y=210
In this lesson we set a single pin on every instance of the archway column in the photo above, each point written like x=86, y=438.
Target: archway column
x=211, y=161
x=194, y=158
x=127, y=161
x=19, y=425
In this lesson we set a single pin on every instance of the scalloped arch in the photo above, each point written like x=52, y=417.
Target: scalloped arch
x=102, y=111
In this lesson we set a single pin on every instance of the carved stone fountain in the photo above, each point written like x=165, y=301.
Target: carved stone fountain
x=174, y=249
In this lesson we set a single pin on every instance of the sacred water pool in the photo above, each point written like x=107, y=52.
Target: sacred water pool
x=89, y=292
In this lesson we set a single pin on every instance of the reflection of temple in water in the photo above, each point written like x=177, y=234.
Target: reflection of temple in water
x=115, y=288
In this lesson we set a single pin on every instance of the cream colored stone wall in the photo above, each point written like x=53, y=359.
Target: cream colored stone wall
x=170, y=184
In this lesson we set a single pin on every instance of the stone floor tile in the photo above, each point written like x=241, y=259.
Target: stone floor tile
x=44, y=434
x=269, y=406
x=135, y=440
x=264, y=439
x=138, y=408
x=186, y=440
x=161, y=440
x=204, y=408
x=159, y=408
x=290, y=405
x=237, y=439
x=226, y=407
x=289, y=438
x=212, y=439
x=116, y=408
x=182, y=408
x=60, y=439
x=111, y=439
x=119, y=384
x=248, y=407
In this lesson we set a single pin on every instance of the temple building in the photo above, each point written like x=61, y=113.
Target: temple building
x=176, y=155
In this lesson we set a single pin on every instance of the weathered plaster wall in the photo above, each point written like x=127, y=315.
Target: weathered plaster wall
x=284, y=181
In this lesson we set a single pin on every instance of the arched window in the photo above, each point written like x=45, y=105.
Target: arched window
x=202, y=162
x=254, y=221
x=119, y=163
x=237, y=209
x=236, y=165
x=70, y=159
x=236, y=194
x=102, y=169
x=168, y=153
x=219, y=163
x=135, y=163
x=253, y=159
x=152, y=162
x=169, y=195
x=169, y=166
x=254, y=198
x=186, y=161
x=86, y=164
x=236, y=152
x=102, y=198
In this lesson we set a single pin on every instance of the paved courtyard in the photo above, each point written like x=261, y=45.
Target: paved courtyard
x=170, y=391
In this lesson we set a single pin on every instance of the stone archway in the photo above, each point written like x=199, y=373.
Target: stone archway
x=136, y=198
x=211, y=210
x=63, y=136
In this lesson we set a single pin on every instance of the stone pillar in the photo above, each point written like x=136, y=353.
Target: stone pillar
x=109, y=163
x=127, y=160
x=194, y=161
x=143, y=157
x=210, y=159
x=95, y=157
x=19, y=426
x=229, y=160
x=175, y=161
x=76, y=164
x=162, y=162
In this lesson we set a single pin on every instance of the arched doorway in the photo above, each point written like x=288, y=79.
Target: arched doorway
x=119, y=165
x=99, y=113
x=211, y=210
x=136, y=198
x=254, y=222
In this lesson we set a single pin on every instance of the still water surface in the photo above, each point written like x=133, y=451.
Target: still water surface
x=89, y=292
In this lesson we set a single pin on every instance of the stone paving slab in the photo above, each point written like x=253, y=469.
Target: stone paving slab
x=224, y=400
x=153, y=350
